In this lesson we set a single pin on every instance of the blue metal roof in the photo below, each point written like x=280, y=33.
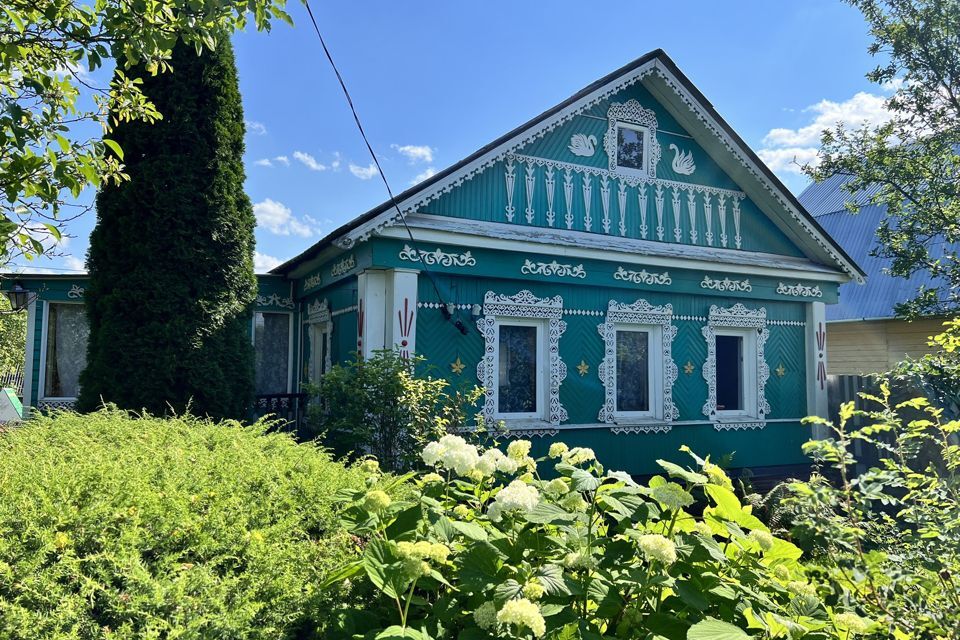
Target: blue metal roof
x=856, y=233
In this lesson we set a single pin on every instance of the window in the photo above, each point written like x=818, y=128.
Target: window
x=735, y=370
x=637, y=370
x=729, y=373
x=320, y=338
x=631, y=144
x=66, y=350
x=271, y=341
x=633, y=371
x=519, y=371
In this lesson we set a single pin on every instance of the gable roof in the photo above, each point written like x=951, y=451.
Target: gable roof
x=685, y=103
x=856, y=233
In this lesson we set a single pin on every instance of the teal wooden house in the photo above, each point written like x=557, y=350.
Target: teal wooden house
x=621, y=272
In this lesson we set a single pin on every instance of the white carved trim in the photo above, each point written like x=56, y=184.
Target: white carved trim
x=522, y=305
x=583, y=145
x=341, y=267
x=726, y=284
x=739, y=426
x=531, y=182
x=76, y=291
x=740, y=317
x=531, y=433
x=640, y=312
x=510, y=177
x=340, y=312
x=652, y=427
x=642, y=277
x=438, y=257
x=312, y=282
x=632, y=112
x=320, y=327
x=274, y=300
x=553, y=269
x=682, y=161
x=799, y=290
x=550, y=184
x=318, y=312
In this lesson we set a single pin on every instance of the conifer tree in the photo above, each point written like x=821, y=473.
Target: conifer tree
x=171, y=257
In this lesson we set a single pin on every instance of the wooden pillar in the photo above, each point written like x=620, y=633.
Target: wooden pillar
x=371, y=311
x=402, y=305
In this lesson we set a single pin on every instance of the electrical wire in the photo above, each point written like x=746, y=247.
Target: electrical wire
x=444, y=307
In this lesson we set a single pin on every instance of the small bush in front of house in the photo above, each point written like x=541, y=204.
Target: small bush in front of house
x=487, y=548
x=384, y=407
x=119, y=526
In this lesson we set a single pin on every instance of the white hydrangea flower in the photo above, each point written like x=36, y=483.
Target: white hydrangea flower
x=523, y=613
x=453, y=452
x=579, y=455
x=517, y=496
x=486, y=615
x=519, y=449
x=557, y=487
x=848, y=621
x=558, y=450
x=763, y=539
x=657, y=547
x=431, y=453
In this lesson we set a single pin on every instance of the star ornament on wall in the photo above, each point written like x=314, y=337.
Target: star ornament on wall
x=457, y=366
x=688, y=368
x=780, y=371
x=583, y=368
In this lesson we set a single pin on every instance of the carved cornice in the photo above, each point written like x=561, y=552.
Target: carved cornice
x=274, y=300
x=553, y=269
x=343, y=266
x=438, y=257
x=726, y=284
x=799, y=290
x=642, y=277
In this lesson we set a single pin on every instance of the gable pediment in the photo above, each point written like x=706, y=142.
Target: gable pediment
x=638, y=155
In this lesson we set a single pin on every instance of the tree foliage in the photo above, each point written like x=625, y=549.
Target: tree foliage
x=13, y=337
x=53, y=114
x=912, y=161
x=379, y=406
x=171, y=257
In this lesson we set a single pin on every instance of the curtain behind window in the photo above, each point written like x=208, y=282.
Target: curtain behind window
x=67, y=334
x=271, y=340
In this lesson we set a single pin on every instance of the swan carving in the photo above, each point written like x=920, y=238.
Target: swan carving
x=682, y=161
x=582, y=145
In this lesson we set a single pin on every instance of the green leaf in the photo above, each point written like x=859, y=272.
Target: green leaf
x=114, y=147
x=677, y=471
x=396, y=632
x=548, y=513
x=551, y=577
x=584, y=480
x=337, y=576
x=713, y=629
x=470, y=529
x=376, y=562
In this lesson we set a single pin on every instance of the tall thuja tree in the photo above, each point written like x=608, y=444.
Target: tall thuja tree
x=171, y=257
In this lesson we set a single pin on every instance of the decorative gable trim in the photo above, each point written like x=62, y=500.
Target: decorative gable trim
x=738, y=317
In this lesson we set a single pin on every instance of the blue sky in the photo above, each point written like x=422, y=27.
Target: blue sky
x=434, y=81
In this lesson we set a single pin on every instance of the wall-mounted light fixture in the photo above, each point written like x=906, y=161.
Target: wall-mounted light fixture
x=19, y=297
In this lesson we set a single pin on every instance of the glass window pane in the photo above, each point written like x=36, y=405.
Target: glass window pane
x=518, y=383
x=630, y=148
x=271, y=340
x=67, y=333
x=633, y=371
x=729, y=373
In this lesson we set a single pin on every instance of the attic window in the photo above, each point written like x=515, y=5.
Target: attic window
x=631, y=147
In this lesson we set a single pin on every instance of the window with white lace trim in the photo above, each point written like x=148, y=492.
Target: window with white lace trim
x=520, y=369
x=638, y=372
x=632, y=147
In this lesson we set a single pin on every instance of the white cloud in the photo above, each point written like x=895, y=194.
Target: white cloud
x=786, y=150
x=263, y=162
x=309, y=161
x=335, y=165
x=269, y=162
x=415, y=153
x=263, y=262
x=277, y=218
x=364, y=173
x=256, y=128
x=284, y=160
x=74, y=263
x=429, y=172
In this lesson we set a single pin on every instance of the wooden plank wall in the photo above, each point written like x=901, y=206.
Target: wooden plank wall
x=875, y=346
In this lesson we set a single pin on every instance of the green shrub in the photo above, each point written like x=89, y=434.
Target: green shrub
x=486, y=548
x=118, y=526
x=888, y=539
x=383, y=406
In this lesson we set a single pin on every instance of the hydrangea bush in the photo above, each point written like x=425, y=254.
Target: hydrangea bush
x=483, y=546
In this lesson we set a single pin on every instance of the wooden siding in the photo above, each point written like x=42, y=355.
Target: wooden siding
x=875, y=346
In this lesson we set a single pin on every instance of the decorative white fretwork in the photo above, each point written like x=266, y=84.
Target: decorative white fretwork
x=708, y=216
x=553, y=269
x=632, y=112
x=692, y=212
x=722, y=213
x=622, y=201
x=682, y=161
x=438, y=257
x=736, y=222
x=605, y=202
x=582, y=145
x=640, y=312
x=677, y=232
x=659, y=212
x=522, y=305
x=75, y=292
x=320, y=322
x=531, y=181
x=312, y=282
x=530, y=433
x=319, y=311
x=343, y=310
x=653, y=427
x=274, y=300
x=510, y=177
x=736, y=317
x=568, y=197
x=726, y=284
x=343, y=266
x=587, y=200
x=739, y=426
x=550, y=184
x=642, y=203
x=799, y=290
x=642, y=277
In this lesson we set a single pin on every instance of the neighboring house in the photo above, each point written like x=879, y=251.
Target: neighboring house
x=865, y=336
x=621, y=272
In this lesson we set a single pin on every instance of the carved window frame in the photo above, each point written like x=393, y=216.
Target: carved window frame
x=658, y=321
x=320, y=323
x=632, y=115
x=523, y=308
x=752, y=324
